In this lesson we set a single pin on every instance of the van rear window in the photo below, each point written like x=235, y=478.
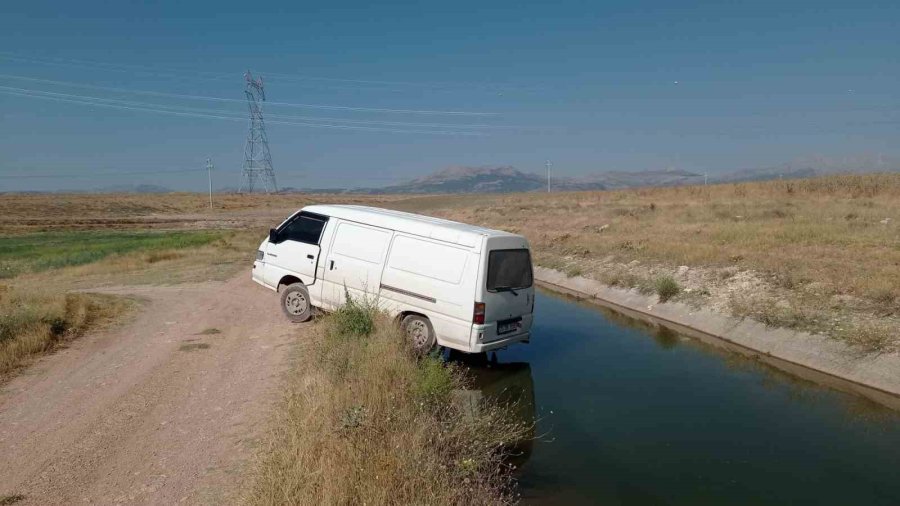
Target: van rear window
x=509, y=268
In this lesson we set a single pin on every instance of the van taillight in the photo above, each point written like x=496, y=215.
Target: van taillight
x=478, y=316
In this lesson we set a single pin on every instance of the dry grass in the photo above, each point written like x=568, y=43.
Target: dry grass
x=36, y=321
x=366, y=422
x=21, y=213
x=827, y=230
x=810, y=240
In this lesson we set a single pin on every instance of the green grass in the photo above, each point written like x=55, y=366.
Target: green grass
x=21, y=254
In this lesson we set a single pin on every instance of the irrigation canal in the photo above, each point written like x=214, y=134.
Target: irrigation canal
x=630, y=413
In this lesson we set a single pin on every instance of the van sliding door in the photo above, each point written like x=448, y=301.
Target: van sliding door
x=355, y=262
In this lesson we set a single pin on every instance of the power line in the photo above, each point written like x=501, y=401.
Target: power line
x=234, y=100
x=302, y=78
x=304, y=118
x=93, y=101
x=95, y=174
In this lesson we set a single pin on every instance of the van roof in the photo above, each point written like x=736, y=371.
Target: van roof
x=415, y=224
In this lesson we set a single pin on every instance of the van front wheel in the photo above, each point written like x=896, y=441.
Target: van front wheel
x=420, y=333
x=295, y=303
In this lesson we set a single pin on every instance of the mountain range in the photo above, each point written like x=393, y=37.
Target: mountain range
x=505, y=179
x=509, y=179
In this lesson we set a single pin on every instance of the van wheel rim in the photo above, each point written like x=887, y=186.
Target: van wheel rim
x=295, y=303
x=418, y=331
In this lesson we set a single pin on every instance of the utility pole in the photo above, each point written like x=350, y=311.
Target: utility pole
x=209, y=168
x=548, y=165
x=705, y=178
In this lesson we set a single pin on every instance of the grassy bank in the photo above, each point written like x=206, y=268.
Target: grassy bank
x=819, y=254
x=36, y=321
x=364, y=421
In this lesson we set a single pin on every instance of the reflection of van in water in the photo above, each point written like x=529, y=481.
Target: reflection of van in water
x=450, y=284
x=506, y=384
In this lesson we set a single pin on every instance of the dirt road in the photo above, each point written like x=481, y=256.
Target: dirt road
x=162, y=410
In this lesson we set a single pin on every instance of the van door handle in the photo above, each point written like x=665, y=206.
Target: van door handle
x=310, y=257
x=272, y=255
x=331, y=266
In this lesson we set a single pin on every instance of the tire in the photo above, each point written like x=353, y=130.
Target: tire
x=295, y=303
x=420, y=333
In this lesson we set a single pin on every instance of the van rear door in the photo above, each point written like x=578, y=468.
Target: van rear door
x=508, y=292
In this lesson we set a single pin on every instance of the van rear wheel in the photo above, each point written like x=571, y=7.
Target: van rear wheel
x=295, y=303
x=420, y=333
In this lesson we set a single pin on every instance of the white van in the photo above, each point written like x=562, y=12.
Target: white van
x=449, y=284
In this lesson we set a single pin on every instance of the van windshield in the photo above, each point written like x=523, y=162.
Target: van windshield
x=509, y=269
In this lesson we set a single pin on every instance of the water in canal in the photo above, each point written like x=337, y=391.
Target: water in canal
x=632, y=414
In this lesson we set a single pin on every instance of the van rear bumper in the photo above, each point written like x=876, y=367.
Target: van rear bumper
x=501, y=343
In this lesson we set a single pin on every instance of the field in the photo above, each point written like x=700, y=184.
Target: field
x=41, y=213
x=818, y=254
x=38, y=252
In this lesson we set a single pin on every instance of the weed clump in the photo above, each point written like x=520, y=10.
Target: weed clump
x=356, y=318
x=434, y=379
x=666, y=287
x=573, y=270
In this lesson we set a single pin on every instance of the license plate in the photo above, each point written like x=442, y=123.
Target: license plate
x=506, y=327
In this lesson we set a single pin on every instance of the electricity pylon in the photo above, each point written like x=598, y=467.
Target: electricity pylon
x=257, y=164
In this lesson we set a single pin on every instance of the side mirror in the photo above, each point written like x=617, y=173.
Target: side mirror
x=273, y=236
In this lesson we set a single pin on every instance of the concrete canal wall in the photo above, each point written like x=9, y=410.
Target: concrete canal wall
x=826, y=360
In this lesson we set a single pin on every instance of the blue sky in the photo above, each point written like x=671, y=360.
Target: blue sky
x=591, y=85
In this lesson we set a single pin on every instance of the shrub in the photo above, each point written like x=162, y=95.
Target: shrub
x=666, y=287
x=434, y=380
x=573, y=270
x=356, y=318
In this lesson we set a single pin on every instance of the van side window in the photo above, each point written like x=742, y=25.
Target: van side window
x=306, y=228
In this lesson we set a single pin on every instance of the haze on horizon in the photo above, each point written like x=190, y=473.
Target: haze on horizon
x=97, y=94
